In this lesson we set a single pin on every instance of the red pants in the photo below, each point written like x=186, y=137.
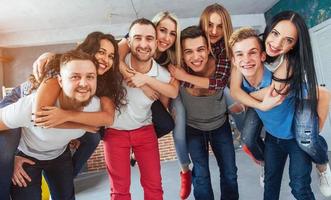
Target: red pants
x=117, y=146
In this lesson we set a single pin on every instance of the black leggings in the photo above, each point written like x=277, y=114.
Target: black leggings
x=162, y=120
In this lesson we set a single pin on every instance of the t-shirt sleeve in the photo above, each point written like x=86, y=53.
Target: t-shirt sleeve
x=17, y=114
x=93, y=106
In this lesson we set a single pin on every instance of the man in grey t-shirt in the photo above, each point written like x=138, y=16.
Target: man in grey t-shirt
x=48, y=147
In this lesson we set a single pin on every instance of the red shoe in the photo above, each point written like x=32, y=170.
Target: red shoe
x=249, y=153
x=185, y=184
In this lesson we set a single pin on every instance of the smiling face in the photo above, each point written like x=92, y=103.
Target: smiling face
x=195, y=53
x=215, y=28
x=105, y=56
x=248, y=56
x=142, y=42
x=166, y=34
x=281, y=39
x=78, y=80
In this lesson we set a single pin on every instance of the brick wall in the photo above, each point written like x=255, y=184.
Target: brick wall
x=166, y=146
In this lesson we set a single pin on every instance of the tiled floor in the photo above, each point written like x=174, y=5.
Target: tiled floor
x=95, y=186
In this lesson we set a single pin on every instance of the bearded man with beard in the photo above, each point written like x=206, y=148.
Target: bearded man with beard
x=48, y=148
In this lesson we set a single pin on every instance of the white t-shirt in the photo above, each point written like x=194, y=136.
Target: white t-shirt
x=37, y=142
x=137, y=112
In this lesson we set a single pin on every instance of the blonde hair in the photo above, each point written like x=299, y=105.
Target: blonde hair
x=242, y=34
x=174, y=52
x=226, y=23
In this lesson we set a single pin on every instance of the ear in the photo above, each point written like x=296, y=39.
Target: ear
x=59, y=80
x=263, y=56
x=128, y=42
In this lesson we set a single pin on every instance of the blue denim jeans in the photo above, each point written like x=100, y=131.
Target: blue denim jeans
x=179, y=132
x=237, y=117
x=88, y=143
x=221, y=143
x=251, y=134
x=300, y=166
x=58, y=174
x=307, y=133
x=9, y=140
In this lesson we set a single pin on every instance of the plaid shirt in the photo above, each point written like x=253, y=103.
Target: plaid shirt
x=223, y=67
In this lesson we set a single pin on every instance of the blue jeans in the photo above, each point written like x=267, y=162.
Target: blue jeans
x=307, y=133
x=237, y=117
x=88, y=143
x=9, y=140
x=276, y=153
x=58, y=174
x=179, y=132
x=251, y=134
x=221, y=143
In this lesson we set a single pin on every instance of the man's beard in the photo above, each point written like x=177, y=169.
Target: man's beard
x=136, y=55
x=75, y=104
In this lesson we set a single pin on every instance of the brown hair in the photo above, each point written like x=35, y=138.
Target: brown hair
x=226, y=23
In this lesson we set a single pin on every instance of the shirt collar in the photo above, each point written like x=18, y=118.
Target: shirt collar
x=154, y=71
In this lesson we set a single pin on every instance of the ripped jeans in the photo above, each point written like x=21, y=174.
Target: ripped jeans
x=305, y=128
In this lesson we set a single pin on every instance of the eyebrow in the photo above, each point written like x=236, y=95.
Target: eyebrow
x=285, y=37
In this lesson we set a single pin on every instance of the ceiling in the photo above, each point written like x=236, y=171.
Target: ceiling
x=37, y=22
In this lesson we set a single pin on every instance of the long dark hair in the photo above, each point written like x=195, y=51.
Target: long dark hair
x=110, y=83
x=300, y=58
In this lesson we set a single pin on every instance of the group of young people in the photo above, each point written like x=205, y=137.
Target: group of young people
x=159, y=79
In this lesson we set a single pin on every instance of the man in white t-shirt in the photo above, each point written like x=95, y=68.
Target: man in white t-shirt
x=133, y=126
x=48, y=147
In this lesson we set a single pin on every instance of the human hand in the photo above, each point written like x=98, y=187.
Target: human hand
x=19, y=174
x=150, y=93
x=137, y=80
x=50, y=116
x=177, y=72
x=38, y=66
x=74, y=144
x=270, y=101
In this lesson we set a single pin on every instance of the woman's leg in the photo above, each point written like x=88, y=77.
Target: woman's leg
x=9, y=141
x=179, y=135
x=88, y=143
x=162, y=120
x=253, y=143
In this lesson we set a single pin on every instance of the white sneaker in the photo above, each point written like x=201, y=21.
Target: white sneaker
x=325, y=181
x=262, y=176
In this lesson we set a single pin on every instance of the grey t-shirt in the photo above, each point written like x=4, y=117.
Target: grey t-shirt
x=205, y=113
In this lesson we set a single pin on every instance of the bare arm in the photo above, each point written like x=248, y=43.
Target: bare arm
x=180, y=74
x=123, y=49
x=47, y=94
x=167, y=89
x=53, y=116
x=323, y=105
x=269, y=101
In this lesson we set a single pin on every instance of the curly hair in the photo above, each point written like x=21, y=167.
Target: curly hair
x=110, y=83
